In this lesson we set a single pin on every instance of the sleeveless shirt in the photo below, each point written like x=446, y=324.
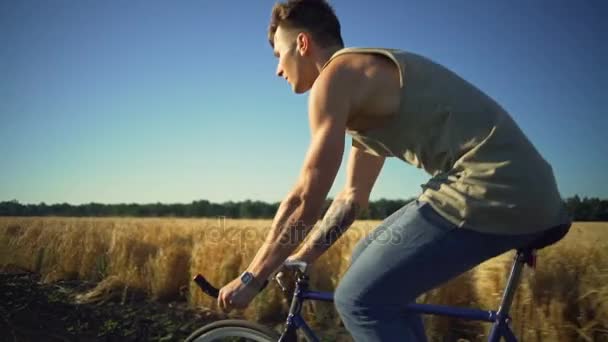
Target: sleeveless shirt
x=485, y=173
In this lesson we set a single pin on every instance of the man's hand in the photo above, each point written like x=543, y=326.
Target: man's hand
x=236, y=295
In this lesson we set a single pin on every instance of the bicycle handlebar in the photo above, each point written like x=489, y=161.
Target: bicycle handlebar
x=211, y=290
x=214, y=292
x=205, y=286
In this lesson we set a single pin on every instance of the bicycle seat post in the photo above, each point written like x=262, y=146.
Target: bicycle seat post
x=520, y=261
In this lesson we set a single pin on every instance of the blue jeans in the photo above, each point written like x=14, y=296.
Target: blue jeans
x=412, y=251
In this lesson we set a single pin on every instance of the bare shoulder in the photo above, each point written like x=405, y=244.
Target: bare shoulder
x=365, y=64
x=368, y=82
x=342, y=68
x=343, y=76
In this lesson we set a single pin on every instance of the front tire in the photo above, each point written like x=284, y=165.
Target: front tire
x=233, y=330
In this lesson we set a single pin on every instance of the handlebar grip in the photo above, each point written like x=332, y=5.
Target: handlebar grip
x=205, y=286
x=212, y=290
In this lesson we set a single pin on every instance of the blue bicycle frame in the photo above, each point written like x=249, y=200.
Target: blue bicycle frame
x=500, y=318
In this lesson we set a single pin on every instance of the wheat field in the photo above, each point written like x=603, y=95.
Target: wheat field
x=564, y=299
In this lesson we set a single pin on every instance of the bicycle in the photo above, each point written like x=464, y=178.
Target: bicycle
x=500, y=319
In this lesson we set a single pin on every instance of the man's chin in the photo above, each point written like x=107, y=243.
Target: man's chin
x=299, y=90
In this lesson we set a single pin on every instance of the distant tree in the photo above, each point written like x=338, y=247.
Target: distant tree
x=200, y=208
x=11, y=208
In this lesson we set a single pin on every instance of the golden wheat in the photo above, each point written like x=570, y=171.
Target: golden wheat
x=564, y=299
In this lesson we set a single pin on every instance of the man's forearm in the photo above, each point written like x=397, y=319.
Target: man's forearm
x=339, y=217
x=292, y=222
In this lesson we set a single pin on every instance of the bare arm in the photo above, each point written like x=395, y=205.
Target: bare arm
x=362, y=172
x=328, y=111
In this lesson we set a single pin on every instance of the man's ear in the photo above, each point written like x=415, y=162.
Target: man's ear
x=303, y=41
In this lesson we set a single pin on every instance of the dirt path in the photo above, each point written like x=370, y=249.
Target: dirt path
x=32, y=311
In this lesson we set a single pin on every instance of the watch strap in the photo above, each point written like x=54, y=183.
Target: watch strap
x=248, y=278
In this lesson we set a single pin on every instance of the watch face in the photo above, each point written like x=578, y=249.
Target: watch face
x=246, y=278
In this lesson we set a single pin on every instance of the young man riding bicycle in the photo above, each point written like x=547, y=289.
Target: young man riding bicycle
x=490, y=190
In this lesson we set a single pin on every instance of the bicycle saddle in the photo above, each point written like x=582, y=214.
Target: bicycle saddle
x=551, y=236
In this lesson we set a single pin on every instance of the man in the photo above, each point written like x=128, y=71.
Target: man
x=490, y=189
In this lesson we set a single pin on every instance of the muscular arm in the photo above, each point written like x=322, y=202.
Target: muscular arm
x=329, y=105
x=362, y=172
x=339, y=217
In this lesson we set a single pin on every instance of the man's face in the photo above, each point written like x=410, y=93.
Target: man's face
x=290, y=65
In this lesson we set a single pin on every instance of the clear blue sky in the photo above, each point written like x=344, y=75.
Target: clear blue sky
x=172, y=101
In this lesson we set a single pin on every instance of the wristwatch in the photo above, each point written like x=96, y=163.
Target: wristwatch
x=247, y=278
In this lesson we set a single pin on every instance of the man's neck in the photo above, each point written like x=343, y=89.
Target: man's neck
x=324, y=56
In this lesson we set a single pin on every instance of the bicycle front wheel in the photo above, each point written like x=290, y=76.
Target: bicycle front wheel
x=233, y=330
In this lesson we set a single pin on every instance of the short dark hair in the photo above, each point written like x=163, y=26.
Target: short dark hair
x=316, y=17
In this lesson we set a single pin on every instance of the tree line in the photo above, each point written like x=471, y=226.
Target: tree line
x=585, y=209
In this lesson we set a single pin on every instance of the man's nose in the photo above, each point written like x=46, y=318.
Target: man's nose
x=279, y=71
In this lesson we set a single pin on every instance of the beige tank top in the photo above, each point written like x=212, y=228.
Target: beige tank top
x=486, y=175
